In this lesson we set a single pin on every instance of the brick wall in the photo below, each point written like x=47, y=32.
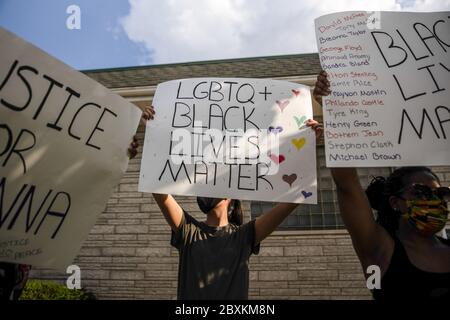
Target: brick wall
x=307, y=265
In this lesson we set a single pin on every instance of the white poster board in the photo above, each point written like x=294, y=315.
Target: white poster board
x=63, y=147
x=390, y=83
x=231, y=138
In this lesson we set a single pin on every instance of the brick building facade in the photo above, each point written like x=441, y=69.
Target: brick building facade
x=128, y=255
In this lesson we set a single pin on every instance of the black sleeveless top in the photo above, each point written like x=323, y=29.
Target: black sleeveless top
x=403, y=280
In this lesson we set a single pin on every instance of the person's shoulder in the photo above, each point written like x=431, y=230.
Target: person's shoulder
x=245, y=226
x=250, y=222
x=444, y=241
x=189, y=219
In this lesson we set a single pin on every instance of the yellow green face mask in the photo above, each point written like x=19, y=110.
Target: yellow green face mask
x=427, y=216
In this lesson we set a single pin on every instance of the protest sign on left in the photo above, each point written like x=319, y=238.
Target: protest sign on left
x=63, y=147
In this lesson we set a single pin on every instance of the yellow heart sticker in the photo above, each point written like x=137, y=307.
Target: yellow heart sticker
x=298, y=143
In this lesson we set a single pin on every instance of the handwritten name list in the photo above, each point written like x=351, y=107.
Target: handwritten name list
x=389, y=78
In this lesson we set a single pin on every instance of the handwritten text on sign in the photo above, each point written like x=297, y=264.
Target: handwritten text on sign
x=231, y=138
x=390, y=76
x=63, y=147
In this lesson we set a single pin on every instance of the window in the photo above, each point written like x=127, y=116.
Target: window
x=325, y=214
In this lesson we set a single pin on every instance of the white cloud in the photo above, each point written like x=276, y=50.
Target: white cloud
x=427, y=5
x=192, y=30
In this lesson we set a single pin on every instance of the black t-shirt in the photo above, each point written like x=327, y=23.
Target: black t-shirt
x=213, y=260
x=403, y=280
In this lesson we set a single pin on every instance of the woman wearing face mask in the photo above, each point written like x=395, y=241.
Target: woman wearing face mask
x=214, y=254
x=411, y=208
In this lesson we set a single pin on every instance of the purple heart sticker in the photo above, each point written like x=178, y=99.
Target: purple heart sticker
x=275, y=129
x=306, y=194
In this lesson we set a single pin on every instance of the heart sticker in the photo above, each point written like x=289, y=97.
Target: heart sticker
x=289, y=178
x=306, y=194
x=298, y=143
x=275, y=129
x=282, y=104
x=300, y=120
x=277, y=159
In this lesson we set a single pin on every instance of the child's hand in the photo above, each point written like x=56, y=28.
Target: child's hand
x=148, y=114
x=132, y=150
x=316, y=126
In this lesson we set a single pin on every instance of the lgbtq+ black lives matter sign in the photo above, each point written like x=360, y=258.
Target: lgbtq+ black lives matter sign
x=231, y=138
x=390, y=83
x=63, y=147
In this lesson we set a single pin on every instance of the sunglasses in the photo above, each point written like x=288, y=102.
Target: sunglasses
x=421, y=191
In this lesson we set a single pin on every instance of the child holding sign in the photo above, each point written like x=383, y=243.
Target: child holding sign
x=214, y=254
x=412, y=207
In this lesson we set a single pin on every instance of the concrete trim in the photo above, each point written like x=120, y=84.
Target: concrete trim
x=146, y=93
x=309, y=232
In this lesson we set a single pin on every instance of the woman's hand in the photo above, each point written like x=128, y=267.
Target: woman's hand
x=322, y=87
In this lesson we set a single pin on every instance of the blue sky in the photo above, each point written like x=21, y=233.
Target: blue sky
x=118, y=33
x=100, y=43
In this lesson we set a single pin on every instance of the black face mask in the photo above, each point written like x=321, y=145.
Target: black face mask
x=207, y=204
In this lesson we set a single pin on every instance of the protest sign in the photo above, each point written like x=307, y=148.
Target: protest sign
x=390, y=76
x=231, y=138
x=63, y=147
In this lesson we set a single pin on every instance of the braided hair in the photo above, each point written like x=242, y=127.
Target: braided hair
x=381, y=189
